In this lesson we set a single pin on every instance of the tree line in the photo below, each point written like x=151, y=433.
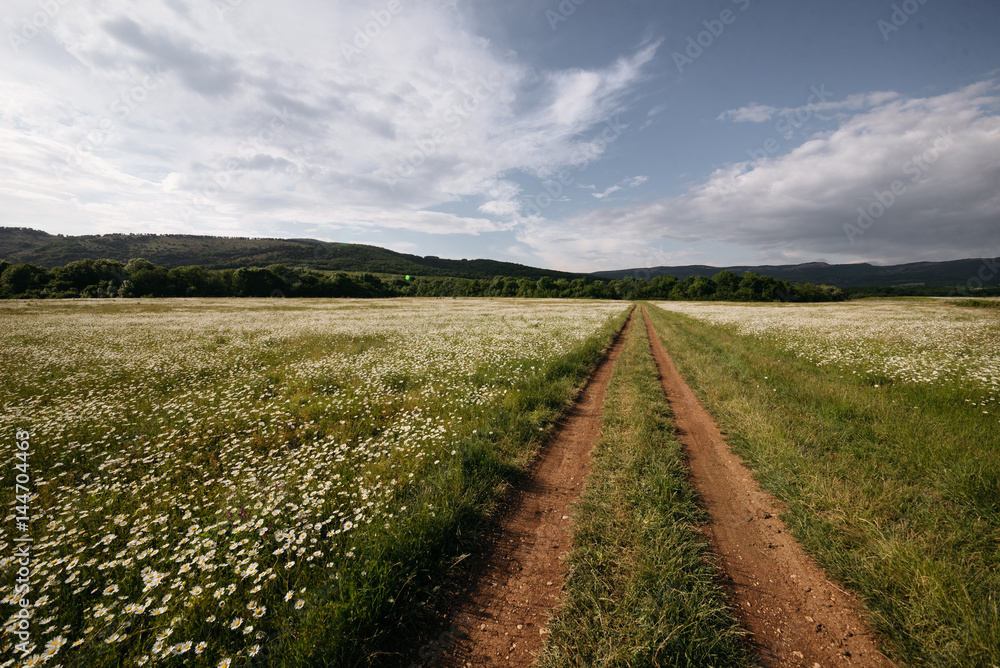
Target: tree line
x=141, y=278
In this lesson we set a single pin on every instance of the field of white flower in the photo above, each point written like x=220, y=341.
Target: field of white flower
x=214, y=480
x=905, y=341
x=875, y=423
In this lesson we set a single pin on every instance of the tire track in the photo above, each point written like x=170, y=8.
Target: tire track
x=500, y=619
x=796, y=615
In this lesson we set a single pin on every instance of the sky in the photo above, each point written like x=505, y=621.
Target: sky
x=577, y=135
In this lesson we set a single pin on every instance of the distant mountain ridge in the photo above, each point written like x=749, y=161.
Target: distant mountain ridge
x=19, y=244
x=948, y=273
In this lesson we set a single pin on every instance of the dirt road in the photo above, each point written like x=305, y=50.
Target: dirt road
x=797, y=616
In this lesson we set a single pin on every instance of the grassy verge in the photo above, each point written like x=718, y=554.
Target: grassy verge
x=893, y=487
x=640, y=591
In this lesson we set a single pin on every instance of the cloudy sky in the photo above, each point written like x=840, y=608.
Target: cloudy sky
x=573, y=134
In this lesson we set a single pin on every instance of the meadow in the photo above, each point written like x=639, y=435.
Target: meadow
x=264, y=482
x=219, y=482
x=876, y=424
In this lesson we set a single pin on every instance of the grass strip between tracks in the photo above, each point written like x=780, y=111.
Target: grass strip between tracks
x=892, y=488
x=641, y=591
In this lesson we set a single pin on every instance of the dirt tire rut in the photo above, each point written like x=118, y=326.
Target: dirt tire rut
x=500, y=620
x=796, y=615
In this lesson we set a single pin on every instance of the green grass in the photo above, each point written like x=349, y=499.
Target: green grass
x=641, y=589
x=894, y=488
x=978, y=303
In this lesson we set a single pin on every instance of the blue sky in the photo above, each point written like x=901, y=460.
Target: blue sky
x=578, y=135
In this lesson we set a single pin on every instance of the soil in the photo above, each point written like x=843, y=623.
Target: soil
x=500, y=613
x=795, y=614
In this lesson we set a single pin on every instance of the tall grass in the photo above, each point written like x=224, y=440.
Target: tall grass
x=641, y=589
x=894, y=487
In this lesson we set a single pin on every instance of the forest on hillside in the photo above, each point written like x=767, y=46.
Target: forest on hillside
x=141, y=278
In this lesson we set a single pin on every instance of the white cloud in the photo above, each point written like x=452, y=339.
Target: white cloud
x=632, y=182
x=817, y=103
x=754, y=113
x=253, y=117
x=943, y=154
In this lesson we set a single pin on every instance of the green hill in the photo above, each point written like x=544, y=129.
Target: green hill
x=179, y=250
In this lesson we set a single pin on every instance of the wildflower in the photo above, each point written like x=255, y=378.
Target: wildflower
x=235, y=624
x=180, y=648
x=299, y=603
x=200, y=647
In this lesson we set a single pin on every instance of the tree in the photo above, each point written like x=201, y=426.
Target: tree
x=701, y=288
x=138, y=264
x=726, y=284
x=544, y=287
x=750, y=287
x=256, y=282
x=23, y=280
x=75, y=277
